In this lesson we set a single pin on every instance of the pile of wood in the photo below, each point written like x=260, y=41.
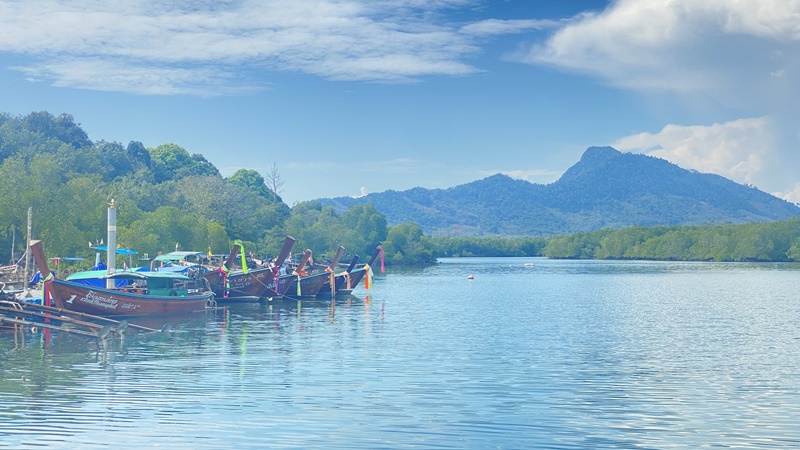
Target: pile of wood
x=27, y=314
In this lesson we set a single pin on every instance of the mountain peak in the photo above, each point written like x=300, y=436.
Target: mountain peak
x=600, y=153
x=605, y=189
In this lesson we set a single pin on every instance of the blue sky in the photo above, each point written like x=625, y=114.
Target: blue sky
x=352, y=96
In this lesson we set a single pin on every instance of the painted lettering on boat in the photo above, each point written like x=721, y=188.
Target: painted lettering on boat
x=241, y=282
x=107, y=302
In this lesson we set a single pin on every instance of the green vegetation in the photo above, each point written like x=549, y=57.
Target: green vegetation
x=605, y=189
x=488, y=246
x=775, y=241
x=167, y=197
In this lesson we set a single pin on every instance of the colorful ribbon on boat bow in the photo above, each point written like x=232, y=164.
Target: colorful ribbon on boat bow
x=241, y=253
x=46, y=290
x=225, y=282
x=367, y=277
x=331, y=280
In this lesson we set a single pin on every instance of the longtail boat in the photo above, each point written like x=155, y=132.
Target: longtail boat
x=338, y=281
x=348, y=280
x=150, y=293
x=301, y=284
x=246, y=285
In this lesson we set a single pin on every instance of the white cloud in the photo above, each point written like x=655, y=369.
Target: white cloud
x=108, y=75
x=716, y=58
x=740, y=150
x=190, y=45
x=711, y=47
x=363, y=193
x=491, y=27
x=792, y=194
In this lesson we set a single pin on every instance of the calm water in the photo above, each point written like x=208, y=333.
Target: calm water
x=560, y=354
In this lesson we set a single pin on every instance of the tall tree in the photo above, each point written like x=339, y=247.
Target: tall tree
x=275, y=182
x=173, y=162
x=252, y=180
x=406, y=244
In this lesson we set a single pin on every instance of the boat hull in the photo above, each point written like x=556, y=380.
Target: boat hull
x=105, y=302
x=356, y=276
x=309, y=285
x=340, y=286
x=244, y=287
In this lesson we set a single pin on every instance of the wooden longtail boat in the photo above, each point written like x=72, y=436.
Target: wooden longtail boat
x=341, y=281
x=338, y=280
x=330, y=271
x=249, y=285
x=152, y=293
x=348, y=280
x=299, y=284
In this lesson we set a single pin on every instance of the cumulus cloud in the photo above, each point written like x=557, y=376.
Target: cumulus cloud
x=792, y=194
x=711, y=47
x=363, y=193
x=740, y=150
x=190, y=45
x=717, y=59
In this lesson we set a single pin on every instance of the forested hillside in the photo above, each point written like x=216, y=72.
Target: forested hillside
x=604, y=189
x=165, y=198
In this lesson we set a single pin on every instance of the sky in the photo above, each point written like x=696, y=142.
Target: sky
x=347, y=97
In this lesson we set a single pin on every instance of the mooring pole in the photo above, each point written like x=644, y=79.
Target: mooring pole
x=28, y=275
x=112, y=243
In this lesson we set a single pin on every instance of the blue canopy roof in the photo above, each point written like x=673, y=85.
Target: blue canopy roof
x=99, y=274
x=179, y=256
x=120, y=251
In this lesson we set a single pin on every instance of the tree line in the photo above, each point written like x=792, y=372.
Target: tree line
x=168, y=198
x=771, y=241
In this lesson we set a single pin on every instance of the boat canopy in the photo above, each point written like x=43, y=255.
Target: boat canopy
x=147, y=275
x=98, y=274
x=179, y=256
x=120, y=251
x=97, y=277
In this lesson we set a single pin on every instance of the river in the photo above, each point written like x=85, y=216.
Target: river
x=530, y=353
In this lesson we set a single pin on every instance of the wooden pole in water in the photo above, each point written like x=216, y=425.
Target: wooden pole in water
x=112, y=244
x=13, y=241
x=27, y=251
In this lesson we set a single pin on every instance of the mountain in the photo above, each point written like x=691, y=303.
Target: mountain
x=606, y=188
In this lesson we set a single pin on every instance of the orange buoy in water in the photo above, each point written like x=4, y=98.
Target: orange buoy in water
x=470, y=277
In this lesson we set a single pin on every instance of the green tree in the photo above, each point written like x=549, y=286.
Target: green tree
x=252, y=180
x=62, y=128
x=406, y=244
x=173, y=162
x=138, y=155
x=793, y=254
x=167, y=226
x=365, y=228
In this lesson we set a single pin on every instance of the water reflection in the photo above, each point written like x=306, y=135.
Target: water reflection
x=550, y=355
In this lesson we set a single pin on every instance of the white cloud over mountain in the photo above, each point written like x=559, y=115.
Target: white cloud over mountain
x=715, y=57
